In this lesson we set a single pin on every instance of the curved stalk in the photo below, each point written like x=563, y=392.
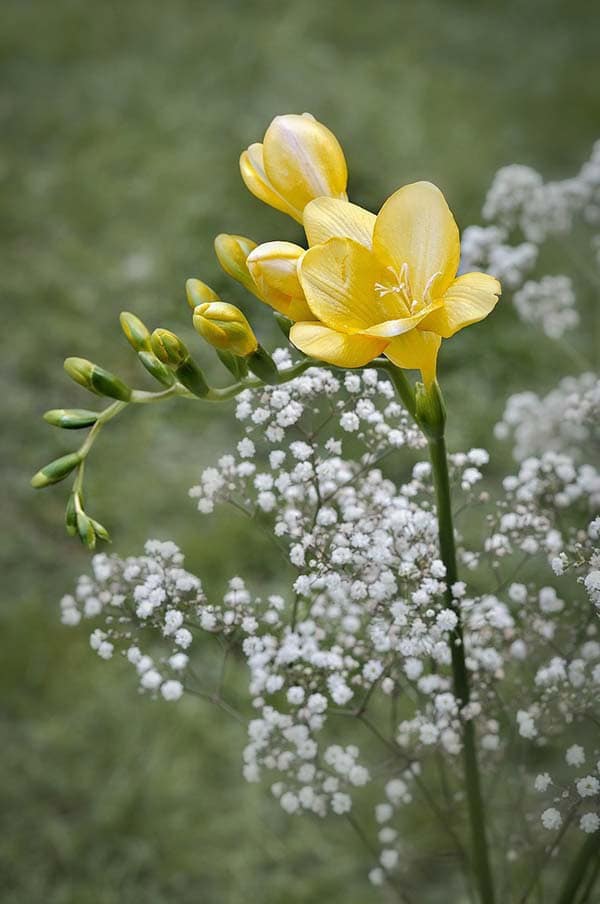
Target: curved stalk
x=460, y=675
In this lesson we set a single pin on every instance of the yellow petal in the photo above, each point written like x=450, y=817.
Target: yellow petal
x=299, y=310
x=318, y=341
x=415, y=227
x=339, y=281
x=416, y=350
x=325, y=218
x=274, y=269
x=253, y=173
x=470, y=298
x=303, y=160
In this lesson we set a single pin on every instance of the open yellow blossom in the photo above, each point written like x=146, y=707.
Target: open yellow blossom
x=387, y=284
x=299, y=160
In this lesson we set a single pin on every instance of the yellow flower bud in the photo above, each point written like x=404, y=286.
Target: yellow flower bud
x=225, y=327
x=96, y=379
x=298, y=161
x=168, y=348
x=232, y=251
x=197, y=292
x=136, y=332
x=274, y=268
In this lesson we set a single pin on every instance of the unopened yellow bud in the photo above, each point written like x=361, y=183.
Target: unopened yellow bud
x=168, y=348
x=274, y=269
x=232, y=251
x=197, y=292
x=299, y=160
x=136, y=332
x=225, y=327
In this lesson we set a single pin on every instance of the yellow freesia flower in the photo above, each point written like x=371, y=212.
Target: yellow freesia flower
x=299, y=160
x=387, y=284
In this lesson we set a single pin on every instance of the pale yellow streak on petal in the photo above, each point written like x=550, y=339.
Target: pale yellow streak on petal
x=256, y=180
x=339, y=280
x=469, y=299
x=320, y=342
x=415, y=226
x=398, y=327
x=325, y=218
x=303, y=160
x=416, y=350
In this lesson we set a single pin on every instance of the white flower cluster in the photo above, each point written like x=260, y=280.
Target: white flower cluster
x=549, y=303
x=349, y=666
x=565, y=420
x=523, y=212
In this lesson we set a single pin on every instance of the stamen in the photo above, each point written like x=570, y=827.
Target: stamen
x=428, y=286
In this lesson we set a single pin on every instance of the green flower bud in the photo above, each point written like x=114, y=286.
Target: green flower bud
x=190, y=375
x=261, y=363
x=71, y=516
x=197, y=292
x=100, y=531
x=85, y=529
x=168, y=347
x=57, y=470
x=71, y=418
x=156, y=368
x=224, y=326
x=232, y=251
x=136, y=332
x=96, y=379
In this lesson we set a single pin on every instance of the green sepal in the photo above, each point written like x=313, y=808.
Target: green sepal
x=71, y=418
x=156, y=368
x=234, y=364
x=262, y=365
x=284, y=323
x=189, y=374
x=430, y=410
x=56, y=471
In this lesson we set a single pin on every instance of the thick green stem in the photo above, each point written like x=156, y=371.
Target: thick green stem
x=576, y=876
x=480, y=855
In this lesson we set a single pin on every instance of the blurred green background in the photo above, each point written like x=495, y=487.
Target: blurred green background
x=121, y=128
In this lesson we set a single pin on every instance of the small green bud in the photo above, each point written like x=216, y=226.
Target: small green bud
x=232, y=251
x=71, y=418
x=168, y=348
x=96, y=379
x=197, y=292
x=156, y=368
x=430, y=410
x=57, y=470
x=224, y=326
x=136, y=332
x=85, y=529
x=261, y=363
x=100, y=531
x=71, y=516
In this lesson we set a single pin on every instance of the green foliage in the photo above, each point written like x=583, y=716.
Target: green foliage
x=121, y=127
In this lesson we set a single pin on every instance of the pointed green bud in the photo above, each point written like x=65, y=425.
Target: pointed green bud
x=224, y=326
x=85, y=529
x=430, y=412
x=71, y=418
x=57, y=470
x=232, y=251
x=190, y=375
x=197, y=292
x=168, y=347
x=136, y=332
x=261, y=363
x=156, y=368
x=100, y=531
x=71, y=516
x=96, y=379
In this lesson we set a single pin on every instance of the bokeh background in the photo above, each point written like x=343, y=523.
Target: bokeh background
x=121, y=125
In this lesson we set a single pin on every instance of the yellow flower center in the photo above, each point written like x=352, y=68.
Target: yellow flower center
x=401, y=287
